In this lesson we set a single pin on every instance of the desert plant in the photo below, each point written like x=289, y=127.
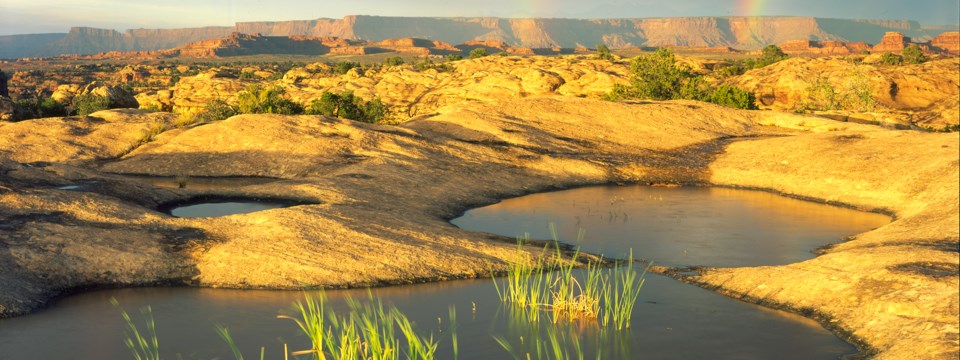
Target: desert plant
x=344, y=66
x=912, y=54
x=349, y=106
x=217, y=109
x=478, y=53
x=732, y=96
x=889, y=58
x=394, y=61
x=656, y=76
x=769, y=55
x=603, y=52
x=258, y=100
x=85, y=104
x=454, y=57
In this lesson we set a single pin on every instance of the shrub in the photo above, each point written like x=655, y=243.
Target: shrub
x=427, y=64
x=217, y=110
x=344, y=66
x=890, y=59
x=769, y=55
x=50, y=107
x=257, y=100
x=656, y=76
x=454, y=57
x=394, y=61
x=732, y=96
x=603, y=52
x=478, y=53
x=348, y=106
x=85, y=104
x=913, y=55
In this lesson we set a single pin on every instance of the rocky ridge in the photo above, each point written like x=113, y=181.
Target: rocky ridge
x=743, y=33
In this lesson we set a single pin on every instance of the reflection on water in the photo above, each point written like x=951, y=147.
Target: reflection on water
x=671, y=321
x=677, y=226
x=211, y=209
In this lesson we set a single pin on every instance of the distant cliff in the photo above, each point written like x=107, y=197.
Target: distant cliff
x=736, y=32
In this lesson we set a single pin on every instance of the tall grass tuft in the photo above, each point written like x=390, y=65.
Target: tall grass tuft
x=621, y=294
x=143, y=345
x=369, y=331
x=604, y=295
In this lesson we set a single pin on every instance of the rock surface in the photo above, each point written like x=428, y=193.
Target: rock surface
x=789, y=85
x=893, y=290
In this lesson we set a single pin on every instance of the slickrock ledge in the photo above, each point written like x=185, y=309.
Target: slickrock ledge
x=382, y=196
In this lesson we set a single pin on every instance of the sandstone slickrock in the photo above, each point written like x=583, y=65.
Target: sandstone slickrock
x=412, y=93
x=917, y=89
x=874, y=288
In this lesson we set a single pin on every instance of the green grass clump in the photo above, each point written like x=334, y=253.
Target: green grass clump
x=604, y=295
x=144, y=345
x=369, y=331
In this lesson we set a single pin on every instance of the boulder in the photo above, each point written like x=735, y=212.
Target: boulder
x=119, y=96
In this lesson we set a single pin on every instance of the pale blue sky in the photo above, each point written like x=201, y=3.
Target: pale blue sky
x=38, y=16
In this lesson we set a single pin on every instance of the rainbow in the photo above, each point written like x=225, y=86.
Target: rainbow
x=750, y=7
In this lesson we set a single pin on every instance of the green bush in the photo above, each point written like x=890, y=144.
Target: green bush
x=217, y=110
x=50, y=107
x=427, y=64
x=344, y=66
x=913, y=55
x=603, y=52
x=259, y=100
x=655, y=76
x=478, y=53
x=348, y=106
x=732, y=96
x=454, y=57
x=769, y=55
x=394, y=61
x=890, y=59
x=85, y=104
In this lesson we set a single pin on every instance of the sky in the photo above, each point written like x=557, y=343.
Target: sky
x=53, y=16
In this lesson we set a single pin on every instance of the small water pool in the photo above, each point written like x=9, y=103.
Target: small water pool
x=671, y=320
x=222, y=207
x=677, y=226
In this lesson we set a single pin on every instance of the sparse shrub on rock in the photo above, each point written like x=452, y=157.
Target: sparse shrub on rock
x=657, y=76
x=348, y=106
x=889, y=58
x=769, y=55
x=454, y=57
x=603, y=52
x=913, y=55
x=394, y=61
x=344, y=66
x=478, y=53
x=258, y=100
x=732, y=96
x=85, y=104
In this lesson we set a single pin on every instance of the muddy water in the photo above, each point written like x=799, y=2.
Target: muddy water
x=677, y=226
x=671, y=320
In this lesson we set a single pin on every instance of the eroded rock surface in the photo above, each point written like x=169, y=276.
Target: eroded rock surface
x=381, y=197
